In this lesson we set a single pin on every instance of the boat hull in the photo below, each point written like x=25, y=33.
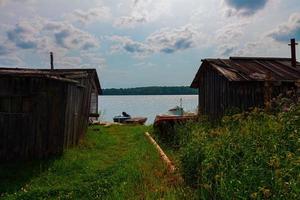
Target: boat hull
x=129, y=120
x=120, y=119
x=136, y=120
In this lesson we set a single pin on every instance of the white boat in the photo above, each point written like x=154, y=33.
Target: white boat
x=176, y=111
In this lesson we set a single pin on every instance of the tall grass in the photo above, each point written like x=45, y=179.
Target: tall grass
x=253, y=155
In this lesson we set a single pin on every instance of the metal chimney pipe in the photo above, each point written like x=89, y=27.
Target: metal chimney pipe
x=51, y=61
x=293, y=52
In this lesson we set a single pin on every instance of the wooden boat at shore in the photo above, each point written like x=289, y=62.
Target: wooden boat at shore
x=176, y=111
x=174, y=115
x=136, y=120
x=127, y=119
x=163, y=119
x=121, y=119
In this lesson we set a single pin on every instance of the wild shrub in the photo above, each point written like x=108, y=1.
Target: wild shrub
x=177, y=135
x=165, y=132
x=252, y=155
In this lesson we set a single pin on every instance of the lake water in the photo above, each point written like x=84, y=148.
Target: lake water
x=147, y=106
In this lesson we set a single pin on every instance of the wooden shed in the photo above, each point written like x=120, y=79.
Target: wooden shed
x=43, y=112
x=242, y=82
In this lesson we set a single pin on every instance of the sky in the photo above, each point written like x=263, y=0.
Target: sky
x=134, y=43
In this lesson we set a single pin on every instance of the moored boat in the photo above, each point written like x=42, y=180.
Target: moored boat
x=175, y=115
x=176, y=111
x=159, y=119
x=120, y=119
x=136, y=120
x=127, y=119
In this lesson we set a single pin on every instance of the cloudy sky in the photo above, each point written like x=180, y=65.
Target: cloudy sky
x=143, y=42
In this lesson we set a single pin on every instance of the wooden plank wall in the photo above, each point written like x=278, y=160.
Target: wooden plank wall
x=217, y=95
x=246, y=95
x=77, y=111
x=94, y=102
x=213, y=94
x=14, y=143
x=41, y=117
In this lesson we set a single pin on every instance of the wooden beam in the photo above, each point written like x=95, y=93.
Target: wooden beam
x=163, y=156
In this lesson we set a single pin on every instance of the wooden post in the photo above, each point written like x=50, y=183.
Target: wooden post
x=51, y=60
x=293, y=52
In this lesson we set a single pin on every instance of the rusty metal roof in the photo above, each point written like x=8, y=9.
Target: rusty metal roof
x=251, y=69
x=66, y=75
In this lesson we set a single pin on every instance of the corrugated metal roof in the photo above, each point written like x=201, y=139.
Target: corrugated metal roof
x=66, y=75
x=252, y=69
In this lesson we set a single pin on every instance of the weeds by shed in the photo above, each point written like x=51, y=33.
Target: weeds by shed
x=42, y=112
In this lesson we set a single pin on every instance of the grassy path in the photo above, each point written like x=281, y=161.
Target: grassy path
x=111, y=163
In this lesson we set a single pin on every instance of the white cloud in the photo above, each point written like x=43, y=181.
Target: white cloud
x=262, y=47
x=67, y=36
x=286, y=31
x=244, y=7
x=100, y=13
x=83, y=60
x=166, y=40
x=130, y=21
x=228, y=38
x=143, y=11
x=45, y=34
x=40, y=36
x=126, y=44
x=4, y=2
x=24, y=35
x=169, y=40
x=230, y=32
x=227, y=49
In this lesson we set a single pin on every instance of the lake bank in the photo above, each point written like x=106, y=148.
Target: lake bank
x=154, y=90
x=144, y=105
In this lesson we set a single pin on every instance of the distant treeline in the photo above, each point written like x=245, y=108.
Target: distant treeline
x=157, y=90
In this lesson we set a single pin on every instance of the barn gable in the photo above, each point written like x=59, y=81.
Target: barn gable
x=241, y=82
x=252, y=69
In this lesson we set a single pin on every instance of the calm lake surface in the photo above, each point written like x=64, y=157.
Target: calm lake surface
x=147, y=106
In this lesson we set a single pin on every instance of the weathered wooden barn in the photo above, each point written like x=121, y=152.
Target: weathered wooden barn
x=43, y=112
x=242, y=82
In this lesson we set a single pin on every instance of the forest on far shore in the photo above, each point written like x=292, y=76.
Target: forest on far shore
x=155, y=90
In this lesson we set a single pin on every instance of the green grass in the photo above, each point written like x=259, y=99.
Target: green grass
x=116, y=162
x=252, y=155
